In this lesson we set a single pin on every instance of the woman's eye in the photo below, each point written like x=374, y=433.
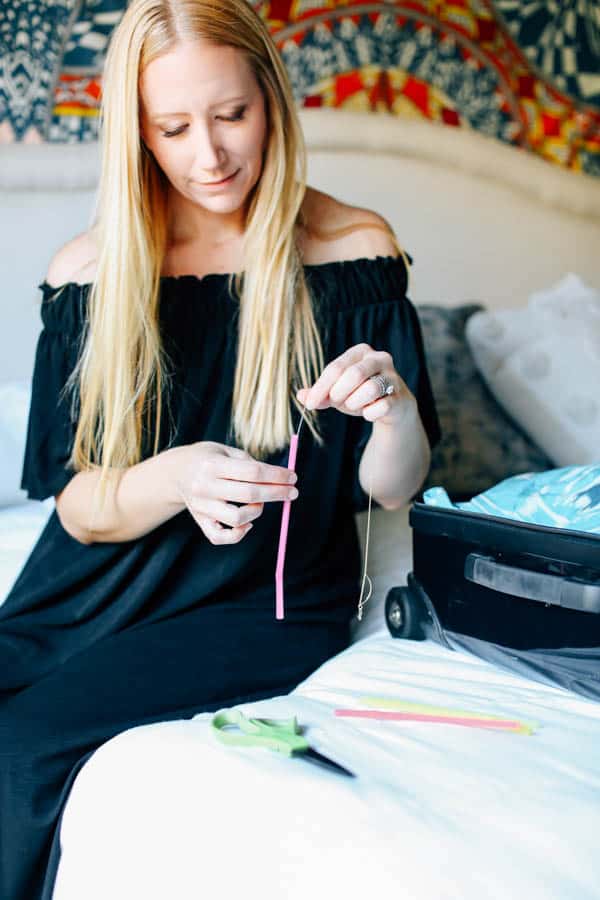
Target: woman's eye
x=174, y=133
x=238, y=114
x=236, y=117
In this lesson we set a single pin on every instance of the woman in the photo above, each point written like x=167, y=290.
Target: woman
x=215, y=299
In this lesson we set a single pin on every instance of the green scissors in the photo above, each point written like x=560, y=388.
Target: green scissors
x=281, y=735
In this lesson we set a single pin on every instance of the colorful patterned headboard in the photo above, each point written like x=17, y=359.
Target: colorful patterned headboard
x=525, y=73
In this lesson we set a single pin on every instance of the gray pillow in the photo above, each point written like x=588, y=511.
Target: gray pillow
x=480, y=443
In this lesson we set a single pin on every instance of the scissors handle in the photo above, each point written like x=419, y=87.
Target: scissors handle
x=281, y=735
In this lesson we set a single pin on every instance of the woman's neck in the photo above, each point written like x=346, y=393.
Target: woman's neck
x=189, y=223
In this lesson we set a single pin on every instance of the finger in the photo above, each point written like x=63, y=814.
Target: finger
x=254, y=472
x=359, y=376
x=377, y=410
x=248, y=492
x=236, y=452
x=228, y=513
x=218, y=534
x=319, y=392
x=370, y=392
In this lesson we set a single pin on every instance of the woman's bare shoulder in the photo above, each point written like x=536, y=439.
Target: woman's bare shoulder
x=339, y=231
x=75, y=261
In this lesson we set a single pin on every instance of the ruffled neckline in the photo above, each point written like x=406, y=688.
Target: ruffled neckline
x=337, y=287
x=309, y=268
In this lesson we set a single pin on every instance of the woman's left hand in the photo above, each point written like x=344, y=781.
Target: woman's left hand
x=347, y=384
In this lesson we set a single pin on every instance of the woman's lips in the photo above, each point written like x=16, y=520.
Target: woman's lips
x=213, y=184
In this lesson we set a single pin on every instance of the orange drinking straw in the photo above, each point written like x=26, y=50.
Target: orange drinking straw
x=285, y=520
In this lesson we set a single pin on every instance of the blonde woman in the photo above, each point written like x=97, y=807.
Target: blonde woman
x=215, y=299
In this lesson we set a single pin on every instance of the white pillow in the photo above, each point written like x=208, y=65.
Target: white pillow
x=542, y=363
x=14, y=409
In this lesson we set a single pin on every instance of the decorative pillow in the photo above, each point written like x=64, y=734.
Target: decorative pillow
x=480, y=444
x=14, y=409
x=542, y=363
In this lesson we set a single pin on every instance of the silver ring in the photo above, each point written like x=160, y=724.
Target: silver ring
x=385, y=385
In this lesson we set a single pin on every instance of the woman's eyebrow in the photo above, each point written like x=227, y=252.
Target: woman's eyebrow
x=168, y=115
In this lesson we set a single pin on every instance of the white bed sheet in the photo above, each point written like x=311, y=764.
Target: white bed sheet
x=436, y=811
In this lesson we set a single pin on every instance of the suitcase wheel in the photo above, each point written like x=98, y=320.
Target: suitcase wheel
x=405, y=614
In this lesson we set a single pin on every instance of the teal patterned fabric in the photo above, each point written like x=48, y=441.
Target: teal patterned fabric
x=560, y=498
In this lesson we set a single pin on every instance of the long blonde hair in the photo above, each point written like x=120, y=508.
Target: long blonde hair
x=122, y=371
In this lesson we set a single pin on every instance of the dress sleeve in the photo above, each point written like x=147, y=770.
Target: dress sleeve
x=390, y=323
x=52, y=417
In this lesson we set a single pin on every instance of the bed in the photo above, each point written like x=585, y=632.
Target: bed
x=437, y=810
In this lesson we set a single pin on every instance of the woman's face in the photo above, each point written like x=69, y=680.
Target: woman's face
x=203, y=117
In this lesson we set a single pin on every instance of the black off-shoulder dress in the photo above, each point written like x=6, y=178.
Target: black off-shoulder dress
x=95, y=639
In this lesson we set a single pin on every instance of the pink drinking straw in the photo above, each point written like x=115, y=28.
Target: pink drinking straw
x=505, y=724
x=285, y=520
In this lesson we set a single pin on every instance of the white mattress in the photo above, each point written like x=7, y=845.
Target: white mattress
x=437, y=811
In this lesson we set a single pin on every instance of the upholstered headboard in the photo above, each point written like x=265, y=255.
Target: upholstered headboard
x=482, y=220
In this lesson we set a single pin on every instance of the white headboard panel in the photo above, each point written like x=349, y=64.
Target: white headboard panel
x=483, y=221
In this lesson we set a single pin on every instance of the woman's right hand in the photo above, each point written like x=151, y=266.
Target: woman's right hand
x=213, y=477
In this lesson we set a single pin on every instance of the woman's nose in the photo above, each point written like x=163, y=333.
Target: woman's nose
x=209, y=154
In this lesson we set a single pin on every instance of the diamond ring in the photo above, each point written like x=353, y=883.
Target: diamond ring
x=385, y=385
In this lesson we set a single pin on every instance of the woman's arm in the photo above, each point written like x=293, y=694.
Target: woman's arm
x=208, y=479
x=396, y=459
x=144, y=497
x=397, y=456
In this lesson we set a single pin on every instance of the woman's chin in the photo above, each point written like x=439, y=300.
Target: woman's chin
x=226, y=199
x=221, y=205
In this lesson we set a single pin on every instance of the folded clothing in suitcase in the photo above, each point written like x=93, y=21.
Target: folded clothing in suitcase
x=563, y=498
x=517, y=592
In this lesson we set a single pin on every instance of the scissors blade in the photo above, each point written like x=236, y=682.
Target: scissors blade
x=321, y=760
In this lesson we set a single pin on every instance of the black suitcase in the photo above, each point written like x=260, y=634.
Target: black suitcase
x=515, y=585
